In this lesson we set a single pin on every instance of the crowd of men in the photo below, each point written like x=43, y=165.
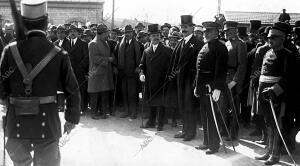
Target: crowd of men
x=229, y=77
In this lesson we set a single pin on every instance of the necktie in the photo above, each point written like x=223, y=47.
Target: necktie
x=72, y=43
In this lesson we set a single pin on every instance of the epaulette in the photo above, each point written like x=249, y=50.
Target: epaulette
x=288, y=50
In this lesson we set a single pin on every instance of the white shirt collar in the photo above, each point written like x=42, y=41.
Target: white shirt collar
x=154, y=46
x=74, y=40
x=60, y=42
x=186, y=39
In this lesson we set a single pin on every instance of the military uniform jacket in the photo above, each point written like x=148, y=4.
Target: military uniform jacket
x=58, y=71
x=211, y=66
x=237, y=62
x=155, y=67
x=183, y=58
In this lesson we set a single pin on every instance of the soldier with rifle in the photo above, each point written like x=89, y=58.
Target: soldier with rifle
x=33, y=122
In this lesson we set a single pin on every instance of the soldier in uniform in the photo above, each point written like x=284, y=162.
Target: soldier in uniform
x=36, y=129
x=236, y=71
x=153, y=70
x=182, y=67
x=198, y=32
x=211, y=69
x=277, y=73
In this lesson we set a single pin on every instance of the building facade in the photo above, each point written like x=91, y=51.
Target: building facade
x=63, y=11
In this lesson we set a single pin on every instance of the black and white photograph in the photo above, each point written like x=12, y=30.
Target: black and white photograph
x=149, y=82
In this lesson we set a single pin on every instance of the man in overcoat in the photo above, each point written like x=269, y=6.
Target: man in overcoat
x=182, y=73
x=153, y=70
x=100, y=79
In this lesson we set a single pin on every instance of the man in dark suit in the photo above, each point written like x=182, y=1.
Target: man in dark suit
x=129, y=56
x=62, y=40
x=183, y=68
x=28, y=130
x=211, y=69
x=79, y=56
x=153, y=70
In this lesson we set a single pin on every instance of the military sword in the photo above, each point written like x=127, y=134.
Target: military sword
x=233, y=107
x=279, y=131
x=214, y=116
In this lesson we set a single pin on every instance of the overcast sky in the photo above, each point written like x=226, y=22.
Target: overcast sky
x=161, y=11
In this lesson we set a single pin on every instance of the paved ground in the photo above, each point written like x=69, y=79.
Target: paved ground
x=120, y=142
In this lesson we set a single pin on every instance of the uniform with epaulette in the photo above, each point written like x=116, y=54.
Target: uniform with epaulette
x=275, y=84
x=33, y=122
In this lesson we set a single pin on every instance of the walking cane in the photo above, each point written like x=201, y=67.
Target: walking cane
x=114, y=97
x=280, y=134
x=234, y=108
x=223, y=119
x=214, y=116
x=142, y=99
x=3, y=127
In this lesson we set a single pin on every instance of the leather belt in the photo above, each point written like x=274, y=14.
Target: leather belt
x=43, y=100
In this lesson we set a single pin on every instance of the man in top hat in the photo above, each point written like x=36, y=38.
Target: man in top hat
x=153, y=70
x=276, y=84
x=36, y=129
x=100, y=80
x=236, y=71
x=79, y=56
x=181, y=74
x=129, y=55
x=211, y=68
x=253, y=35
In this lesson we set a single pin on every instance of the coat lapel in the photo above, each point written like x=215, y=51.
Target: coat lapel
x=157, y=51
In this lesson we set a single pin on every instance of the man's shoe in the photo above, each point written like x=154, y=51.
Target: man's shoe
x=272, y=161
x=188, y=138
x=180, y=134
x=210, y=151
x=133, y=116
x=104, y=116
x=174, y=124
x=201, y=147
x=263, y=157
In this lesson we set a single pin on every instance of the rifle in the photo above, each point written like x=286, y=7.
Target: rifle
x=19, y=27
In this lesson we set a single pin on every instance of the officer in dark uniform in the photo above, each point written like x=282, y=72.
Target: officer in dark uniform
x=237, y=66
x=38, y=128
x=275, y=82
x=211, y=69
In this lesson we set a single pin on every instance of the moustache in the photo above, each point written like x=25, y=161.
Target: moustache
x=184, y=31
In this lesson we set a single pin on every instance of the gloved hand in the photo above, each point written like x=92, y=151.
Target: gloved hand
x=68, y=127
x=196, y=93
x=231, y=84
x=172, y=75
x=268, y=93
x=142, y=78
x=216, y=94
